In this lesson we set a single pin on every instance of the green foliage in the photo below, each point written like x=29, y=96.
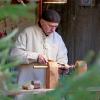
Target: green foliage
x=14, y=12
x=17, y=11
x=5, y=64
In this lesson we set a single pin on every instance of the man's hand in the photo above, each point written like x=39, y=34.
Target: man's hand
x=42, y=59
x=65, y=69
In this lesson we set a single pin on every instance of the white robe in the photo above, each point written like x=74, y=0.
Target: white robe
x=31, y=42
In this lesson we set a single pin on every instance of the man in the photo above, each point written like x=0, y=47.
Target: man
x=38, y=44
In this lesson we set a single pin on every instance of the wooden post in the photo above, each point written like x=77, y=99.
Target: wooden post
x=52, y=75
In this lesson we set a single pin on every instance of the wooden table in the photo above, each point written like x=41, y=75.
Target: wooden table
x=35, y=91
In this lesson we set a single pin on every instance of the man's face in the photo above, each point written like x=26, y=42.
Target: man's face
x=48, y=27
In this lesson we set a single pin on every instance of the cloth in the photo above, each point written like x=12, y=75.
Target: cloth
x=51, y=16
x=32, y=42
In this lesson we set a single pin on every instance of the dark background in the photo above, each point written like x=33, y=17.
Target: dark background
x=79, y=27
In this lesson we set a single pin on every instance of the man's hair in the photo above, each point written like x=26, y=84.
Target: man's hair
x=51, y=16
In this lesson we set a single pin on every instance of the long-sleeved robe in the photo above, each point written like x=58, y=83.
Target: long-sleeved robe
x=31, y=42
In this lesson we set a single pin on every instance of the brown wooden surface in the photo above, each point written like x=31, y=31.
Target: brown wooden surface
x=34, y=91
x=52, y=75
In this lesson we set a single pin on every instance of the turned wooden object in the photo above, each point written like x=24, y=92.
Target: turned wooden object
x=81, y=66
